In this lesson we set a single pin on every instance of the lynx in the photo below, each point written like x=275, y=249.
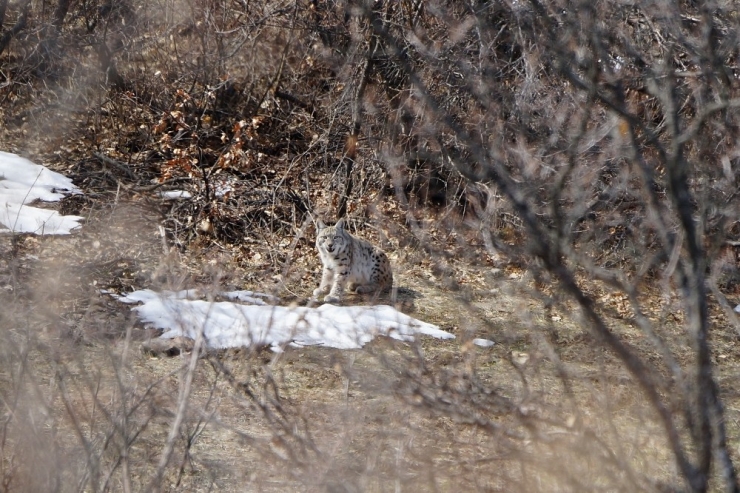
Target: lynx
x=350, y=261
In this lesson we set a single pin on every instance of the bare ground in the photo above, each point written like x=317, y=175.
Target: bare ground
x=91, y=408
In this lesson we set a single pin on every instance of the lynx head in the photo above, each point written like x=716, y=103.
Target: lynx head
x=332, y=239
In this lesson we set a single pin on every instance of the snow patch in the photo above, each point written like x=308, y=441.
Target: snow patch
x=250, y=297
x=483, y=342
x=227, y=324
x=175, y=194
x=23, y=182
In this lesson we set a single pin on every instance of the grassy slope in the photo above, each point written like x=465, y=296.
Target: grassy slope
x=370, y=414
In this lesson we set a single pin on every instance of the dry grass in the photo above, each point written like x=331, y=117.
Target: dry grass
x=242, y=101
x=85, y=396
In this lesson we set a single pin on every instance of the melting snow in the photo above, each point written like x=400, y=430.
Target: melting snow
x=249, y=297
x=483, y=342
x=226, y=324
x=175, y=194
x=23, y=182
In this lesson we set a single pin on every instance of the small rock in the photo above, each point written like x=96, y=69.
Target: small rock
x=519, y=358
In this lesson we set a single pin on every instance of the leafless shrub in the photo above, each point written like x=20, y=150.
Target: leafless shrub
x=603, y=126
x=587, y=149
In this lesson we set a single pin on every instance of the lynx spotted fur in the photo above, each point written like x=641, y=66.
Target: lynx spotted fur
x=350, y=262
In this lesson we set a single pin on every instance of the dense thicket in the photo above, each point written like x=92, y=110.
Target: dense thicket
x=594, y=141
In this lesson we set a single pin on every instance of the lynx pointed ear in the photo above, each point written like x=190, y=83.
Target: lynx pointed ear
x=340, y=224
x=320, y=225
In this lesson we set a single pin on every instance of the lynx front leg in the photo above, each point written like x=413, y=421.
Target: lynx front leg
x=337, y=289
x=327, y=276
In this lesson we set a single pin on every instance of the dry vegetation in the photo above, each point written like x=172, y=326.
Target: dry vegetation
x=560, y=177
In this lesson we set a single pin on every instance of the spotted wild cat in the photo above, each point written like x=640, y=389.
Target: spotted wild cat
x=350, y=262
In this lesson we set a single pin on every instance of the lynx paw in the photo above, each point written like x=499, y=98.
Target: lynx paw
x=366, y=289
